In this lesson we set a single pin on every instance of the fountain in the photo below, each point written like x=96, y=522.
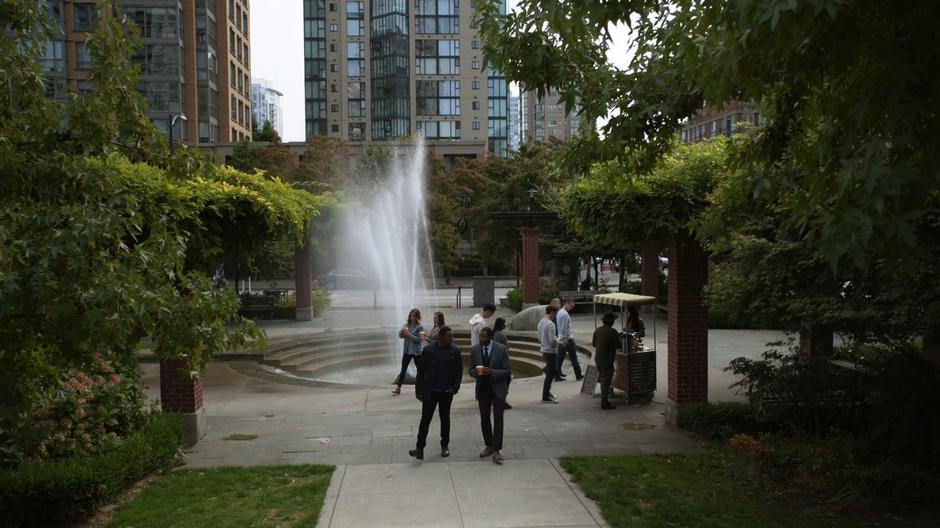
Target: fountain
x=385, y=235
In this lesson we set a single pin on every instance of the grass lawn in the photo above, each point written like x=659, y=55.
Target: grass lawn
x=278, y=496
x=677, y=490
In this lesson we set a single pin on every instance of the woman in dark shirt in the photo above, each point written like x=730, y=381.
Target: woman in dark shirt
x=499, y=325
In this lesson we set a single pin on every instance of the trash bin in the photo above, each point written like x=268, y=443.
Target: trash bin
x=484, y=290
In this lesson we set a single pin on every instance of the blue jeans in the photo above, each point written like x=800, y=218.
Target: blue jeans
x=570, y=349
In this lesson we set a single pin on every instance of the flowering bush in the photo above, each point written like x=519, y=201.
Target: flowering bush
x=90, y=408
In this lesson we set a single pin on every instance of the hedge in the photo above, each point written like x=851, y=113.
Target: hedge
x=68, y=489
x=722, y=419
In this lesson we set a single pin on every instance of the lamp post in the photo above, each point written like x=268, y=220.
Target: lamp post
x=173, y=118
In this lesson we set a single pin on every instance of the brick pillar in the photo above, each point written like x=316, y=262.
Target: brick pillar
x=816, y=341
x=302, y=284
x=180, y=394
x=688, y=325
x=649, y=274
x=531, y=266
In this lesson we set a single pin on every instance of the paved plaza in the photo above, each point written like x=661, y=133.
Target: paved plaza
x=256, y=418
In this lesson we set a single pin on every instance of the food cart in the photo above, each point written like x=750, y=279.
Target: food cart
x=635, y=366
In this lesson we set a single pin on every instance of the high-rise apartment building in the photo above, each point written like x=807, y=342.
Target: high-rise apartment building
x=711, y=121
x=377, y=70
x=194, y=62
x=266, y=104
x=515, y=125
x=544, y=118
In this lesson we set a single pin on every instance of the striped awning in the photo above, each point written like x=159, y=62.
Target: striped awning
x=623, y=299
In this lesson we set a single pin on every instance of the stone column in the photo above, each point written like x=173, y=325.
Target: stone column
x=649, y=273
x=302, y=284
x=688, y=325
x=181, y=394
x=531, y=267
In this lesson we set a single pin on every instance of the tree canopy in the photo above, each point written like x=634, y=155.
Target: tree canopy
x=848, y=89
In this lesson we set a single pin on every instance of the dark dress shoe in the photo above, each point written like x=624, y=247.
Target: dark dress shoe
x=550, y=399
x=417, y=453
x=498, y=458
x=608, y=406
x=559, y=379
x=579, y=378
x=487, y=452
x=445, y=452
x=507, y=406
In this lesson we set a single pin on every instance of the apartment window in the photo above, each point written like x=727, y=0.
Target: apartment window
x=231, y=74
x=158, y=60
x=476, y=105
x=475, y=44
x=354, y=9
x=154, y=22
x=238, y=17
x=475, y=85
x=161, y=96
x=238, y=48
x=54, y=58
x=476, y=125
x=334, y=67
x=234, y=138
x=246, y=55
x=334, y=108
x=357, y=131
x=437, y=57
x=333, y=28
x=332, y=47
x=355, y=28
x=334, y=88
x=438, y=98
x=245, y=22
x=82, y=56
x=356, y=97
x=231, y=8
x=439, y=130
x=84, y=16
x=475, y=65
x=234, y=105
x=437, y=16
x=355, y=59
x=315, y=49
x=231, y=39
x=334, y=128
x=333, y=7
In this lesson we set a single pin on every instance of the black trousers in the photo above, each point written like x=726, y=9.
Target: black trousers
x=442, y=401
x=551, y=370
x=405, y=361
x=492, y=430
x=569, y=349
x=605, y=371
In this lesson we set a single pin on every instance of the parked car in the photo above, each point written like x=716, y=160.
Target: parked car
x=347, y=279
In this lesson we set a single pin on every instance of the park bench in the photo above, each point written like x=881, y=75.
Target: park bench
x=258, y=304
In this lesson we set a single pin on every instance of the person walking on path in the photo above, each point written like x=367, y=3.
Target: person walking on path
x=437, y=323
x=606, y=342
x=566, y=344
x=548, y=344
x=478, y=321
x=499, y=335
x=440, y=371
x=490, y=366
x=412, y=334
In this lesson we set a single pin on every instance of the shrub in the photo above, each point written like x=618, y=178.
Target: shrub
x=66, y=489
x=86, y=409
x=321, y=301
x=515, y=299
x=721, y=420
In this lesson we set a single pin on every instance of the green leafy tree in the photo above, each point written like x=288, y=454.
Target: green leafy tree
x=105, y=238
x=848, y=90
x=267, y=133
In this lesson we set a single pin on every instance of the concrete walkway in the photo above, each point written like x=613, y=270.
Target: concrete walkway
x=523, y=493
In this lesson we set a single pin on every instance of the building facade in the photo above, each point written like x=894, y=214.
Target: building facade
x=515, y=124
x=194, y=62
x=710, y=122
x=378, y=70
x=266, y=105
x=545, y=118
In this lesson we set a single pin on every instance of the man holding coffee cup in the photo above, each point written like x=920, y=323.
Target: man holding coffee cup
x=490, y=367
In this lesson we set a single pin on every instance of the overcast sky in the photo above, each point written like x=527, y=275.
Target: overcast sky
x=277, y=54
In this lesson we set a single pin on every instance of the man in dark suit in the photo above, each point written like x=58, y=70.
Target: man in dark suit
x=440, y=371
x=489, y=365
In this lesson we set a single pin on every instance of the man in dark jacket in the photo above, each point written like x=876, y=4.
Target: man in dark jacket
x=489, y=365
x=440, y=371
x=606, y=342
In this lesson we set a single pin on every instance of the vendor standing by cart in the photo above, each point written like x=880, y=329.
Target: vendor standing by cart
x=606, y=343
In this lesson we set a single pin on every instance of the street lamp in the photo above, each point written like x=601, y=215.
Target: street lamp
x=173, y=118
